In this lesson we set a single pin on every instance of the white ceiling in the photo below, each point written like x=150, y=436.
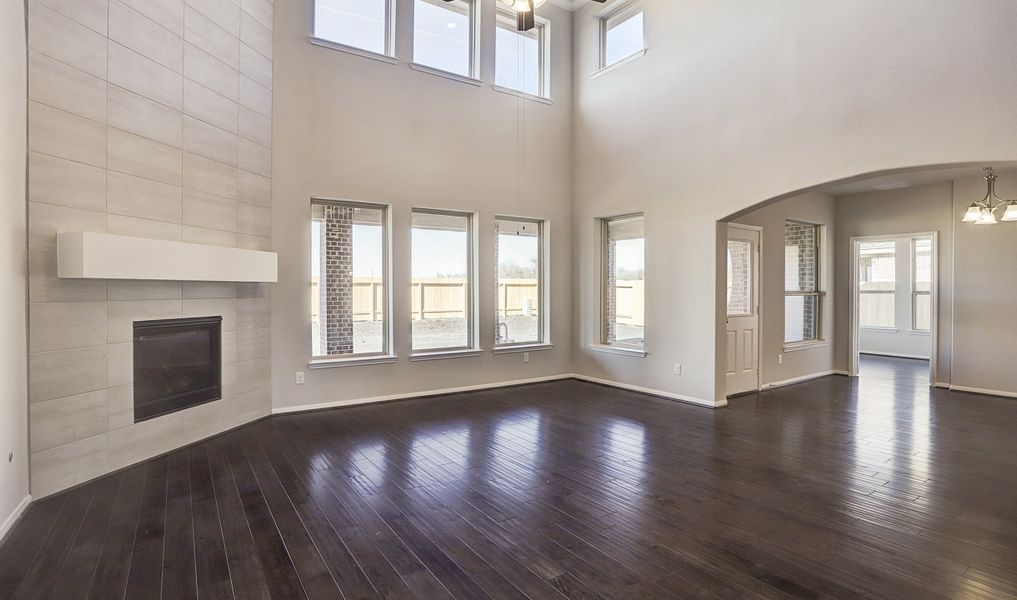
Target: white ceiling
x=910, y=178
x=568, y=4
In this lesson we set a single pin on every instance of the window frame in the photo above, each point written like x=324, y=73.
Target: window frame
x=543, y=290
x=473, y=73
x=817, y=292
x=602, y=338
x=472, y=346
x=618, y=14
x=390, y=35
x=892, y=293
x=915, y=292
x=507, y=20
x=387, y=353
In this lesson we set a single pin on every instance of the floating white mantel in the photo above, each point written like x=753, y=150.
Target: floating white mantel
x=102, y=256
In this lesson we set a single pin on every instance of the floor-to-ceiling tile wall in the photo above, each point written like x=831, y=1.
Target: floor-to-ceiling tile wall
x=148, y=118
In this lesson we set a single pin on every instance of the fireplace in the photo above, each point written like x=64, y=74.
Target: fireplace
x=177, y=364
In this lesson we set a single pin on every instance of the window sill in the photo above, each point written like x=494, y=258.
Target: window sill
x=918, y=332
x=623, y=350
x=446, y=74
x=617, y=64
x=444, y=354
x=519, y=94
x=805, y=345
x=385, y=58
x=522, y=348
x=355, y=361
x=880, y=329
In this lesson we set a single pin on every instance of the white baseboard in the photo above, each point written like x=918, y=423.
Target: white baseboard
x=961, y=388
x=896, y=355
x=942, y=385
x=421, y=394
x=802, y=379
x=487, y=386
x=15, y=515
x=651, y=391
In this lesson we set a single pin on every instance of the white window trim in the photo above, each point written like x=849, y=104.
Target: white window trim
x=386, y=355
x=473, y=332
x=806, y=345
x=445, y=354
x=543, y=280
x=446, y=74
x=545, y=58
x=473, y=76
x=602, y=343
x=621, y=349
x=520, y=348
x=353, y=361
x=626, y=9
x=617, y=64
x=390, y=36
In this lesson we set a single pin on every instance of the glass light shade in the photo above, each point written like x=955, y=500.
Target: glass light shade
x=1011, y=211
x=521, y=5
x=974, y=212
x=986, y=218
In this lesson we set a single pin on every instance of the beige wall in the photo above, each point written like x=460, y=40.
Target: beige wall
x=797, y=95
x=355, y=128
x=13, y=368
x=814, y=207
x=917, y=209
x=148, y=119
x=985, y=330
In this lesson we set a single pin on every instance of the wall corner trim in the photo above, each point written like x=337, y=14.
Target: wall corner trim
x=14, y=516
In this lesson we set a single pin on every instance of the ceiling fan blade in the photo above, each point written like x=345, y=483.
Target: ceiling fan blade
x=525, y=20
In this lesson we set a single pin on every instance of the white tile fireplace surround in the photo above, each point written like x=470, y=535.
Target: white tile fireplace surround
x=149, y=120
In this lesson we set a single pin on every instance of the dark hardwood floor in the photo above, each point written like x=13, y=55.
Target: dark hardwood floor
x=835, y=488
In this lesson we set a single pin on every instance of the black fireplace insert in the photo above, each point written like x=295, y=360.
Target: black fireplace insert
x=177, y=365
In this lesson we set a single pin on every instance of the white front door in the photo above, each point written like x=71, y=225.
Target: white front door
x=742, y=309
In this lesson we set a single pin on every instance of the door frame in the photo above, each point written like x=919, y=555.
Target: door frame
x=757, y=292
x=934, y=297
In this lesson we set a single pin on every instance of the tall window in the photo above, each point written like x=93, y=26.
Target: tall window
x=623, y=281
x=521, y=57
x=443, y=35
x=349, y=279
x=877, y=284
x=520, y=287
x=921, y=288
x=363, y=24
x=801, y=282
x=442, y=285
x=621, y=33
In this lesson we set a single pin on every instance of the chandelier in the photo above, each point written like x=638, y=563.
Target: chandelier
x=984, y=211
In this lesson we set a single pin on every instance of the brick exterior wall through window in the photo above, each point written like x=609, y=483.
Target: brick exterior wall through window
x=337, y=267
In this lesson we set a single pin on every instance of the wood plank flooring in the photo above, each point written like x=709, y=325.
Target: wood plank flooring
x=836, y=488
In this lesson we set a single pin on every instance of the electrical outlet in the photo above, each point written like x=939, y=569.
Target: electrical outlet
x=300, y=378
x=526, y=357
x=678, y=369
x=780, y=359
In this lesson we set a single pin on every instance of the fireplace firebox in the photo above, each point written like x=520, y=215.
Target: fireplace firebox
x=177, y=365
